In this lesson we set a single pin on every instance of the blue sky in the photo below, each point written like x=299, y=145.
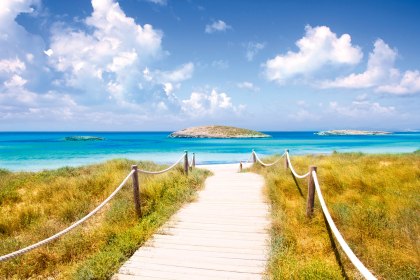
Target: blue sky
x=166, y=64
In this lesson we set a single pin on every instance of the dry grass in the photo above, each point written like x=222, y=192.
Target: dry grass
x=375, y=203
x=34, y=206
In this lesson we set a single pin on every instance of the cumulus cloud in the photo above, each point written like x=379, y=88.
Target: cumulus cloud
x=319, y=47
x=108, y=58
x=204, y=104
x=252, y=48
x=409, y=83
x=380, y=74
x=20, y=51
x=217, y=26
x=379, y=69
x=248, y=86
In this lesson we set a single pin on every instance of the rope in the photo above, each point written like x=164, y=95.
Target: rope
x=57, y=235
x=293, y=171
x=162, y=171
x=248, y=160
x=267, y=164
x=356, y=262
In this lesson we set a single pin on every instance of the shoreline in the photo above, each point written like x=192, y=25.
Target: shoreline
x=207, y=159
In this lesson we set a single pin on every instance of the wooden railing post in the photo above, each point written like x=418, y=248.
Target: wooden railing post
x=254, y=157
x=311, y=192
x=286, y=162
x=193, y=161
x=136, y=191
x=186, y=163
x=240, y=166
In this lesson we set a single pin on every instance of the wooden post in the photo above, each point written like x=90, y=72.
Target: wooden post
x=186, y=163
x=193, y=160
x=311, y=192
x=240, y=166
x=286, y=163
x=254, y=157
x=136, y=191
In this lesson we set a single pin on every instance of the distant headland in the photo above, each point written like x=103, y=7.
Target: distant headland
x=83, y=138
x=217, y=131
x=351, y=132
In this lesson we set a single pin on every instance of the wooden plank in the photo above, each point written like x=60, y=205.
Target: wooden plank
x=189, y=272
x=203, y=248
x=151, y=251
x=221, y=235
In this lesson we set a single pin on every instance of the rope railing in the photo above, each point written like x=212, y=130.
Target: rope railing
x=161, y=171
x=356, y=262
x=313, y=185
x=136, y=192
x=267, y=164
x=73, y=226
x=293, y=170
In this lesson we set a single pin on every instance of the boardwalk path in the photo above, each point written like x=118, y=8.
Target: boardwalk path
x=222, y=235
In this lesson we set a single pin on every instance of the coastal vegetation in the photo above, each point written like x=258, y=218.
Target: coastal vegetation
x=217, y=131
x=375, y=203
x=36, y=205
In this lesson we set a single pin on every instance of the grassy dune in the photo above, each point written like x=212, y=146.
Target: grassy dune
x=34, y=206
x=375, y=203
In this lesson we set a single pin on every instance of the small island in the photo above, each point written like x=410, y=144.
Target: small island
x=217, y=131
x=351, y=132
x=83, y=138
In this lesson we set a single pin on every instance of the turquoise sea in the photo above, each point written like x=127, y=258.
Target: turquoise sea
x=46, y=150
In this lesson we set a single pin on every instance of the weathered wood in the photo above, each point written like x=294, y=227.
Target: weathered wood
x=136, y=191
x=254, y=157
x=193, y=160
x=286, y=162
x=311, y=192
x=186, y=165
x=240, y=166
x=224, y=234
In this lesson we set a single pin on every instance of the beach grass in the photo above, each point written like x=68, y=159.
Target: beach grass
x=375, y=203
x=36, y=205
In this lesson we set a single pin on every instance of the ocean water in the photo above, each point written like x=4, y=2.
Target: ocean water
x=47, y=150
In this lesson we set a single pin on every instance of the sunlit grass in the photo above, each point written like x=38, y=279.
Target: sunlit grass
x=34, y=206
x=375, y=203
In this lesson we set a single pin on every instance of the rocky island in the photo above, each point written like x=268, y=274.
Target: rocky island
x=217, y=131
x=83, y=138
x=351, y=132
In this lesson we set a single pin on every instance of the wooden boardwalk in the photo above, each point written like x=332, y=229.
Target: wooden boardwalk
x=222, y=235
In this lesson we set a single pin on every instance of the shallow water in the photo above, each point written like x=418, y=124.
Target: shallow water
x=47, y=150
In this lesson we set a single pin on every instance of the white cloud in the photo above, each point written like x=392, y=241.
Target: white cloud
x=409, y=83
x=361, y=109
x=158, y=2
x=252, y=48
x=180, y=74
x=213, y=104
x=217, y=26
x=380, y=74
x=108, y=58
x=248, y=86
x=169, y=80
x=379, y=69
x=319, y=47
x=221, y=64
x=12, y=65
x=15, y=81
